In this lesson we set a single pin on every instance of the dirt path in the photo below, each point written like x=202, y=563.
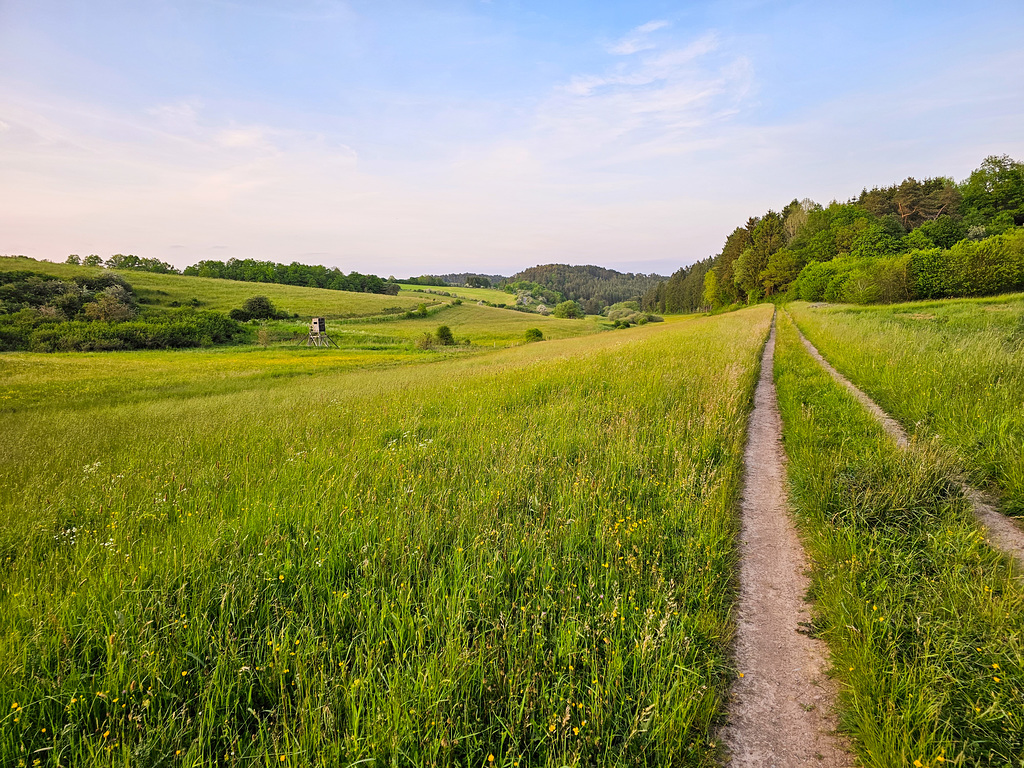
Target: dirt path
x=781, y=709
x=1000, y=531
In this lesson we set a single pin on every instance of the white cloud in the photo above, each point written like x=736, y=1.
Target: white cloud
x=637, y=39
x=655, y=104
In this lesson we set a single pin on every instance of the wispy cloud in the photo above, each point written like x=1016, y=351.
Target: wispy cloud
x=638, y=39
x=653, y=103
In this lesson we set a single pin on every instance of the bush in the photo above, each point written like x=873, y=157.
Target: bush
x=259, y=308
x=815, y=278
x=444, y=336
x=253, y=308
x=568, y=309
x=970, y=268
x=31, y=330
x=534, y=334
x=835, y=290
x=112, y=305
x=419, y=312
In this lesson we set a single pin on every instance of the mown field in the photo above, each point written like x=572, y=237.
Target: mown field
x=924, y=621
x=523, y=557
x=952, y=369
x=492, y=295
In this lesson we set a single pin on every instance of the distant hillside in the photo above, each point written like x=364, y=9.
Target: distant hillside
x=593, y=287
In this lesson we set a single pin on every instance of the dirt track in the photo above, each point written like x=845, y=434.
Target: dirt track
x=1000, y=531
x=781, y=712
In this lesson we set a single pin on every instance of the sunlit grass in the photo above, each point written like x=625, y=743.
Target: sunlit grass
x=949, y=368
x=526, y=554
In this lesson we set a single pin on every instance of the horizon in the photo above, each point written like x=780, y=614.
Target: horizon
x=485, y=137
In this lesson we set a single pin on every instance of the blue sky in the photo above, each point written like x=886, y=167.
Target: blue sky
x=407, y=137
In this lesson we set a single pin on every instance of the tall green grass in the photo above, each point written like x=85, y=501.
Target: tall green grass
x=924, y=621
x=515, y=559
x=949, y=368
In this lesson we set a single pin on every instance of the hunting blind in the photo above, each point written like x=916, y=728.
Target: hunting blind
x=318, y=334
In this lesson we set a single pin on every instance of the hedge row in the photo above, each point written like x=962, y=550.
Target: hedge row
x=27, y=331
x=970, y=268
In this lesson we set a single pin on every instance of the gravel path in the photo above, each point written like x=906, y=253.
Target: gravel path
x=781, y=710
x=1000, y=531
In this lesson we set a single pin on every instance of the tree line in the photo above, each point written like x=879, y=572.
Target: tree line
x=916, y=239
x=250, y=270
x=308, y=275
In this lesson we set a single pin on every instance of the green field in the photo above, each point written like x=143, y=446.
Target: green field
x=951, y=369
x=223, y=295
x=481, y=325
x=526, y=553
x=492, y=295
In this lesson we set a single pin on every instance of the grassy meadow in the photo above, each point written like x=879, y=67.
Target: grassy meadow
x=480, y=326
x=949, y=368
x=487, y=326
x=492, y=295
x=924, y=621
x=523, y=557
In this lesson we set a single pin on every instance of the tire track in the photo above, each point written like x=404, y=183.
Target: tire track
x=1000, y=531
x=781, y=708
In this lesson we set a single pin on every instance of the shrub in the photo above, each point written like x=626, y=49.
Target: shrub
x=815, y=278
x=444, y=336
x=534, y=334
x=185, y=328
x=834, y=291
x=253, y=308
x=970, y=268
x=568, y=309
x=112, y=305
x=259, y=308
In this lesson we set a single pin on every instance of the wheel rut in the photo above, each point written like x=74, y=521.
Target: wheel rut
x=781, y=709
x=1001, y=532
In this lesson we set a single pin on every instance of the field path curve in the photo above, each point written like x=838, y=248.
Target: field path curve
x=781, y=709
x=1000, y=531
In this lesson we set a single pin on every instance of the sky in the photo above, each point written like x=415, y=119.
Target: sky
x=404, y=137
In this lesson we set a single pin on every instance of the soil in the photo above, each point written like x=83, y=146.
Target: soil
x=1001, y=532
x=781, y=709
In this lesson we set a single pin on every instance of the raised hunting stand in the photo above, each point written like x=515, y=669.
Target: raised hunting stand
x=318, y=334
